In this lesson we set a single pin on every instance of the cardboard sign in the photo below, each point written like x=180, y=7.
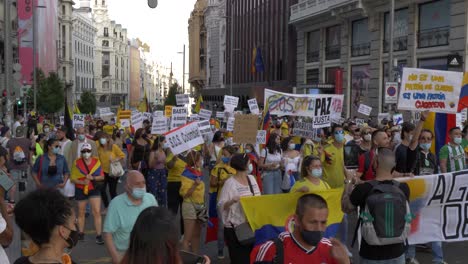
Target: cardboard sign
x=397, y=119
x=365, y=109
x=137, y=119
x=303, y=129
x=391, y=92
x=78, y=121
x=230, y=103
x=205, y=114
x=125, y=122
x=261, y=137
x=168, y=110
x=184, y=138
x=179, y=117
x=158, y=113
x=105, y=111
x=253, y=106
x=245, y=129
x=230, y=124
x=437, y=91
x=159, y=126
x=182, y=99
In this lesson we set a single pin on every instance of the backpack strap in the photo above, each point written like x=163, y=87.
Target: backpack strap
x=373, y=183
x=279, y=258
x=250, y=186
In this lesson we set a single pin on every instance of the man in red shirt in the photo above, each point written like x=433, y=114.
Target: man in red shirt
x=306, y=243
x=366, y=170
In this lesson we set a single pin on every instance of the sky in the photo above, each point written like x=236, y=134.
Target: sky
x=164, y=28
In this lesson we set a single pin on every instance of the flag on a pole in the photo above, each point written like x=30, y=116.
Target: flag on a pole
x=254, y=57
x=199, y=104
x=144, y=106
x=67, y=120
x=259, y=66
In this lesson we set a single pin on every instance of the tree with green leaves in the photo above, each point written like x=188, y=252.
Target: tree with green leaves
x=171, y=95
x=87, y=103
x=50, y=96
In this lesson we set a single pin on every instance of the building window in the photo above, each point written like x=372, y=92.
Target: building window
x=433, y=64
x=312, y=76
x=360, y=40
x=400, y=30
x=330, y=75
x=313, y=46
x=106, y=32
x=333, y=43
x=434, y=24
x=64, y=10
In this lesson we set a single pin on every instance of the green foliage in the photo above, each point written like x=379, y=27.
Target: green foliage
x=171, y=95
x=87, y=103
x=50, y=96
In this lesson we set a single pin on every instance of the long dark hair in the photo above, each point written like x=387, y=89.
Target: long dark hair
x=306, y=163
x=157, y=142
x=48, y=144
x=271, y=144
x=285, y=143
x=138, y=135
x=154, y=238
x=253, y=148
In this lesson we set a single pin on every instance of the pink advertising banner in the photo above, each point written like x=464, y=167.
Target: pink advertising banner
x=47, y=35
x=25, y=38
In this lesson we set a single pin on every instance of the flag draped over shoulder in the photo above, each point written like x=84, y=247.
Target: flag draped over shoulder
x=269, y=215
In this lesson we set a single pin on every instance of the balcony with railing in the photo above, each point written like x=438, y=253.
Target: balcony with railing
x=362, y=49
x=399, y=44
x=308, y=8
x=433, y=37
x=312, y=56
x=332, y=52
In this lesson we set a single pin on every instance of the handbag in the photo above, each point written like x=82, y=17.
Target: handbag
x=201, y=212
x=116, y=169
x=244, y=232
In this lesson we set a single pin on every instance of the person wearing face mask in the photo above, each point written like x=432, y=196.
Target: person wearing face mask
x=241, y=184
x=452, y=155
x=392, y=253
x=254, y=158
x=193, y=192
x=306, y=243
x=332, y=158
x=51, y=169
x=366, y=169
x=407, y=131
x=291, y=158
x=51, y=207
x=141, y=148
x=86, y=173
x=366, y=144
x=270, y=162
x=108, y=153
x=218, y=176
x=156, y=180
x=123, y=212
x=73, y=150
x=311, y=174
x=215, y=149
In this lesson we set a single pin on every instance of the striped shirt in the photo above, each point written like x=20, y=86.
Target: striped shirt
x=455, y=156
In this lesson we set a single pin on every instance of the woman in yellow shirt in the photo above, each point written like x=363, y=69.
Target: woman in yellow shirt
x=311, y=172
x=175, y=166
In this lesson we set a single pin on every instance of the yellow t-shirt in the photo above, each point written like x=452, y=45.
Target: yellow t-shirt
x=174, y=174
x=284, y=129
x=333, y=166
x=198, y=195
x=225, y=171
x=105, y=156
x=323, y=186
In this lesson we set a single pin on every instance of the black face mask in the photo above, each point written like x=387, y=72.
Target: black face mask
x=311, y=237
x=72, y=239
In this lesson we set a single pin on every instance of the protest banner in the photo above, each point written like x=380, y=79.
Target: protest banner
x=359, y=122
x=204, y=127
x=194, y=117
x=105, y=111
x=147, y=116
x=318, y=106
x=125, y=122
x=78, y=120
x=159, y=126
x=230, y=103
x=303, y=129
x=230, y=124
x=182, y=99
x=168, y=110
x=437, y=91
x=184, y=138
x=245, y=129
x=461, y=118
x=397, y=119
x=382, y=116
x=440, y=206
x=365, y=109
x=253, y=106
x=158, y=113
x=178, y=117
x=137, y=119
x=62, y=120
x=220, y=115
x=261, y=137
x=391, y=92
x=205, y=114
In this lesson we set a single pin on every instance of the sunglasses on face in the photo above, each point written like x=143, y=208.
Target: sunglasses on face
x=86, y=151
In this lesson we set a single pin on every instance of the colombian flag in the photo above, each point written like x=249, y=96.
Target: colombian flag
x=269, y=215
x=199, y=104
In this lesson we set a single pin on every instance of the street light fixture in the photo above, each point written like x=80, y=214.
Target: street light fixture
x=183, y=70
x=152, y=3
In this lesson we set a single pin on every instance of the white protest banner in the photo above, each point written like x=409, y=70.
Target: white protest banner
x=303, y=129
x=440, y=206
x=365, y=109
x=318, y=106
x=397, y=119
x=261, y=136
x=125, y=122
x=158, y=113
x=62, y=120
x=391, y=92
x=105, y=111
x=253, y=106
x=159, y=126
x=437, y=91
x=194, y=117
x=179, y=117
x=182, y=99
x=359, y=122
x=230, y=103
x=78, y=121
x=147, y=116
x=220, y=115
x=382, y=116
x=204, y=127
x=461, y=118
x=137, y=119
x=230, y=124
x=205, y=114
x=184, y=138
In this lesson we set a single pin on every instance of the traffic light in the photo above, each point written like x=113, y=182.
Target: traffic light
x=19, y=103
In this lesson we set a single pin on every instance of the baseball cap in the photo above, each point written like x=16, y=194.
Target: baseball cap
x=86, y=146
x=20, y=131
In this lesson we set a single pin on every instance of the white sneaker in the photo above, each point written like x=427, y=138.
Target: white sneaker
x=412, y=261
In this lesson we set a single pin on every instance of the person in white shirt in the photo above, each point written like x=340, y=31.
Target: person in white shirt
x=6, y=228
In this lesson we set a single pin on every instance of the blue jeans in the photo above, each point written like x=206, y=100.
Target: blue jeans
x=399, y=260
x=437, y=253
x=272, y=182
x=343, y=231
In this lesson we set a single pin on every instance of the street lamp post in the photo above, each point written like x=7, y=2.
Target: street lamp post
x=183, y=70
x=231, y=41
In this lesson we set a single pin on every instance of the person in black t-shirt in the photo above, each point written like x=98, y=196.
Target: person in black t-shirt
x=402, y=149
x=385, y=253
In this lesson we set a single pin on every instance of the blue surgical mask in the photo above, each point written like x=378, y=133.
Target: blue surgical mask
x=103, y=141
x=457, y=140
x=81, y=137
x=425, y=146
x=225, y=160
x=317, y=173
x=339, y=138
x=247, y=151
x=56, y=150
x=138, y=193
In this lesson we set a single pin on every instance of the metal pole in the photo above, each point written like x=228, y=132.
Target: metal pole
x=34, y=55
x=231, y=47
x=8, y=61
x=183, y=70
x=390, y=51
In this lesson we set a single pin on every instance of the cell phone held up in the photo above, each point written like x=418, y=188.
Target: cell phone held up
x=6, y=182
x=190, y=258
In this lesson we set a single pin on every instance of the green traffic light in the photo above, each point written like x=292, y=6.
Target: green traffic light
x=20, y=103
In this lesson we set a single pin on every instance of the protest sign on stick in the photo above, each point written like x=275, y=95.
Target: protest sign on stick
x=184, y=138
x=253, y=106
x=78, y=120
x=159, y=126
x=245, y=129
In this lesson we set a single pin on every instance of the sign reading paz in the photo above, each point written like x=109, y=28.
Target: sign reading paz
x=78, y=121
x=184, y=138
x=437, y=91
x=253, y=105
x=245, y=129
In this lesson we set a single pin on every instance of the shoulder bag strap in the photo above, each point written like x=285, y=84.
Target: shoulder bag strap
x=86, y=165
x=39, y=173
x=250, y=186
